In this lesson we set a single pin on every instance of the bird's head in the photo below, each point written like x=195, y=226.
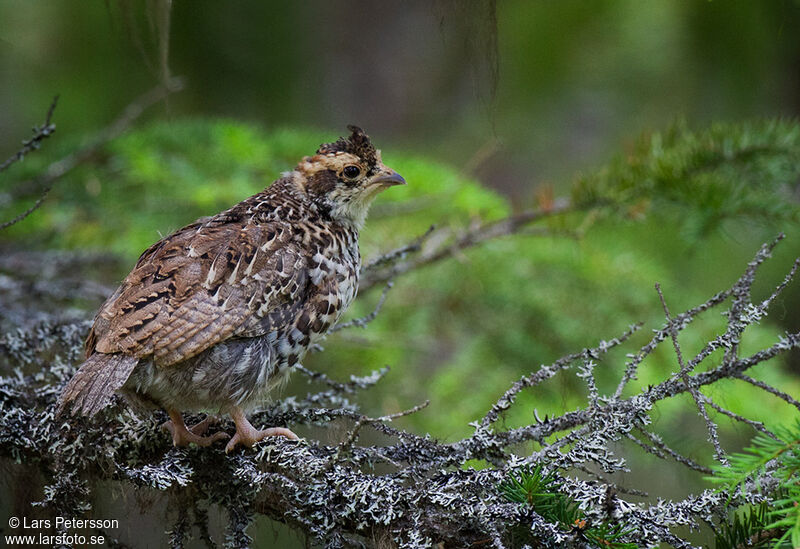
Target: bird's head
x=345, y=176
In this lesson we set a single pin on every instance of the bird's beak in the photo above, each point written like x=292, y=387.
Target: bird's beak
x=387, y=178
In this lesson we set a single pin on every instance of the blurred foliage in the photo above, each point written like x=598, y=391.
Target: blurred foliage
x=154, y=180
x=573, y=81
x=729, y=171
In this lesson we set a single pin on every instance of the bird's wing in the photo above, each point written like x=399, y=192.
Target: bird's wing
x=197, y=288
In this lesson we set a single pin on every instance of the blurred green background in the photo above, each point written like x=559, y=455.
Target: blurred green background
x=483, y=108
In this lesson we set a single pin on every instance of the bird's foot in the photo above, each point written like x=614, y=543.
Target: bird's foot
x=183, y=436
x=247, y=435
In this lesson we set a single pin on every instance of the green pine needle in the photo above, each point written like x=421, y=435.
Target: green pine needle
x=540, y=491
x=773, y=525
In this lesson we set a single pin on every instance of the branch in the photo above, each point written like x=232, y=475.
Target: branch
x=659, y=446
x=399, y=253
x=412, y=489
x=546, y=372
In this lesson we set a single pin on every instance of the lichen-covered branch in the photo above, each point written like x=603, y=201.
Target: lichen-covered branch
x=413, y=490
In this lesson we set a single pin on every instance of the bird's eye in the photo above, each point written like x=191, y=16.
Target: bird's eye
x=351, y=171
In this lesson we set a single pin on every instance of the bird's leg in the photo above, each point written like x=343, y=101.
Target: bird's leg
x=248, y=435
x=181, y=436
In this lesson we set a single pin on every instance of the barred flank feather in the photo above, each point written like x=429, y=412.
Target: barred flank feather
x=90, y=389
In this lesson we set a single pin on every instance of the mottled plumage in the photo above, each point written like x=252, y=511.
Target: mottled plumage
x=213, y=316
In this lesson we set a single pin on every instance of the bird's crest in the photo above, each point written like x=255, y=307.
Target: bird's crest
x=358, y=144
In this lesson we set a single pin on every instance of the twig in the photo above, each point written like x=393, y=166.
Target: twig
x=780, y=287
x=681, y=321
x=399, y=253
x=364, y=320
x=545, y=372
x=487, y=231
x=364, y=420
x=19, y=217
x=665, y=389
x=349, y=387
x=684, y=375
x=40, y=133
x=611, y=486
x=59, y=168
x=767, y=388
x=742, y=299
x=757, y=425
x=659, y=448
x=127, y=117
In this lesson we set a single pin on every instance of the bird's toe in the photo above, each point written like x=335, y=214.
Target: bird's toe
x=188, y=437
x=249, y=438
x=209, y=440
x=201, y=427
x=168, y=426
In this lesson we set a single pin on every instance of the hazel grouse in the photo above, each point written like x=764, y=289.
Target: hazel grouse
x=214, y=316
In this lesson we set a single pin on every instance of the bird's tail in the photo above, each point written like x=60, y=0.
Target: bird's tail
x=92, y=386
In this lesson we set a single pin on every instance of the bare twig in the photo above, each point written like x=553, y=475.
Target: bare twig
x=349, y=387
x=779, y=289
x=19, y=217
x=757, y=425
x=40, y=133
x=58, y=169
x=742, y=299
x=675, y=385
x=123, y=121
x=545, y=372
x=659, y=449
x=680, y=321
